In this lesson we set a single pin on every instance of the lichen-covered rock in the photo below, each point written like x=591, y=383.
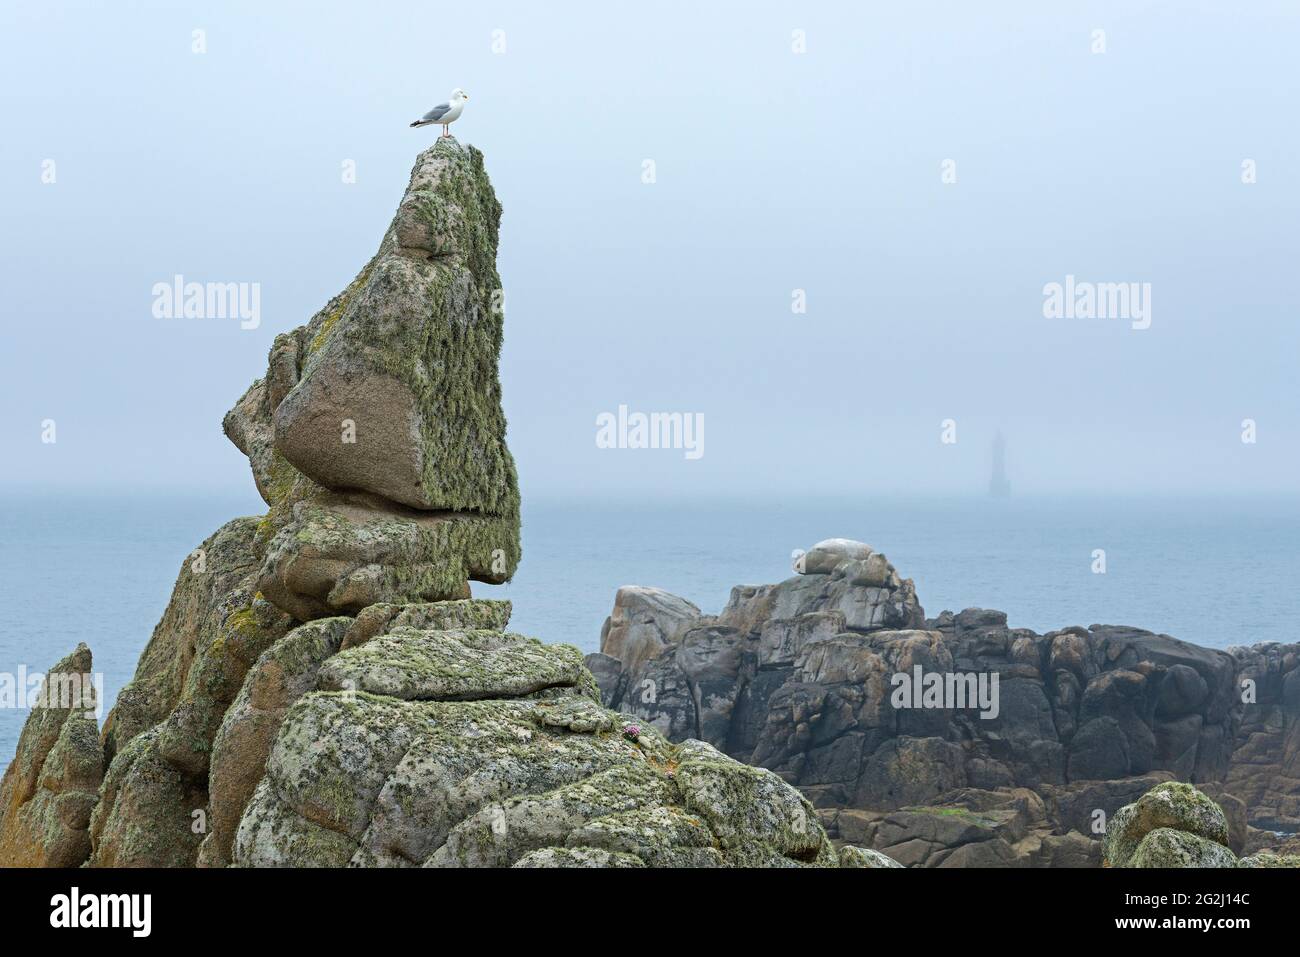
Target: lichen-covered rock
x=147, y=812
x=851, y=856
x=377, y=435
x=571, y=857
x=422, y=665
x=51, y=787
x=213, y=611
x=408, y=354
x=468, y=747
x=1173, y=805
x=284, y=673
x=338, y=554
x=154, y=803
x=1267, y=859
x=739, y=801
x=472, y=613
x=1167, y=847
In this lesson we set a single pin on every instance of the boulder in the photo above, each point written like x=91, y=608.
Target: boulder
x=149, y=812
x=1173, y=806
x=851, y=856
x=1168, y=847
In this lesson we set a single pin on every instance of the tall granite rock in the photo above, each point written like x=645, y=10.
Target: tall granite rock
x=322, y=689
x=799, y=678
x=377, y=435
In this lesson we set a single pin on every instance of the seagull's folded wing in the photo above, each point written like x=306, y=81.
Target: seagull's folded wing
x=437, y=112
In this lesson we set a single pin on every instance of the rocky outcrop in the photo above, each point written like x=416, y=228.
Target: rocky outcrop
x=377, y=436
x=52, y=786
x=322, y=690
x=159, y=737
x=1265, y=767
x=968, y=828
x=813, y=678
x=482, y=748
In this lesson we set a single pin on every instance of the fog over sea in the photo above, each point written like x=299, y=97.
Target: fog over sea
x=1215, y=571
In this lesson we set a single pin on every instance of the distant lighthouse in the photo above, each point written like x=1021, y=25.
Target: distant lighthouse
x=999, y=485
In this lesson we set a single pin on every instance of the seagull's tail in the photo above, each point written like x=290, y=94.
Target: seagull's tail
x=422, y=123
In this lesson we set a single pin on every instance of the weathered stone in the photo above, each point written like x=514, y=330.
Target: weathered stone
x=419, y=665
x=339, y=554
x=408, y=355
x=1266, y=859
x=643, y=623
x=798, y=676
x=851, y=856
x=474, y=613
x=284, y=673
x=1167, y=847
x=51, y=787
x=1172, y=805
x=147, y=810
x=213, y=609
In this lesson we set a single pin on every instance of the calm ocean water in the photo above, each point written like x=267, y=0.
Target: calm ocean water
x=1216, y=572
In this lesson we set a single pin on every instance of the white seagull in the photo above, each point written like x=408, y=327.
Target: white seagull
x=444, y=114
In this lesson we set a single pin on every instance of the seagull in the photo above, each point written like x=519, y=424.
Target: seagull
x=445, y=113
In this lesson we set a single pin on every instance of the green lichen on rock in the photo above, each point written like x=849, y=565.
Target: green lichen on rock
x=1172, y=805
x=572, y=857
x=146, y=810
x=211, y=630
x=376, y=436
x=412, y=664
x=336, y=555
x=1268, y=859
x=468, y=613
x=51, y=787
x=474, y=747
x=408, y=354
x=864, y=857
x=1167, y=847
x=755, y=814
x=282, y=674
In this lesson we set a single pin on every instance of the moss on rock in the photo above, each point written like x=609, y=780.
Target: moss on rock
x=1172, y=805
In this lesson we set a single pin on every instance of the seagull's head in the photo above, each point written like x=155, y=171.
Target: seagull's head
x=459, y=94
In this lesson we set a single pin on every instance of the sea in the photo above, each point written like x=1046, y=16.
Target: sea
x=1215, y=571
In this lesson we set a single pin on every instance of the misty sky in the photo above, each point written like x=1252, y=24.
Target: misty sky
x=775, y=171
